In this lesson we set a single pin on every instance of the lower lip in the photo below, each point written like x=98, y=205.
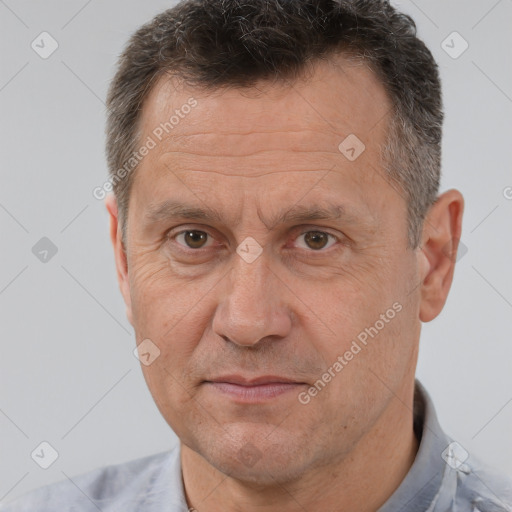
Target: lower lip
x=255, y=393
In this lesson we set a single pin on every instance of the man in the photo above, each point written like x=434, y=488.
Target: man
x=279, y=239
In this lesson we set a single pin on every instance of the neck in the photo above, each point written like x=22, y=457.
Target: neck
x=361, y=482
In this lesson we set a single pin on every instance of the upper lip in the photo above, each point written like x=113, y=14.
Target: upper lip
x=244, y=381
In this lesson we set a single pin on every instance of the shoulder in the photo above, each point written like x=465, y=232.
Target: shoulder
x=104, y=488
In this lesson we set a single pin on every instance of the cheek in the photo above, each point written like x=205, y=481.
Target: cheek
x=172, y=312
x=343, y=306
x=368, y=318
x=173, y=397
x=159, y=298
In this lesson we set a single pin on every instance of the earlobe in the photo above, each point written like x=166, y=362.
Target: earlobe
x=440, y=241
x=119, y=253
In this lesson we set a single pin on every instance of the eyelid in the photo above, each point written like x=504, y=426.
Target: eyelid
x=298, y=231
x=312, y=229
x=172, y=236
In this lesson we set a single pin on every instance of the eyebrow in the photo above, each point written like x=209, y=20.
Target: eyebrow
x=173, y=209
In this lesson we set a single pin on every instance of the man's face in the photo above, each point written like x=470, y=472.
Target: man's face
x=261, y=160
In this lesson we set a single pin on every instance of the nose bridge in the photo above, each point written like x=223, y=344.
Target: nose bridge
x=250, y=283
x=250, y=308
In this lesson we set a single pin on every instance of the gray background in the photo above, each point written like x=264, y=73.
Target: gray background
x=67, y=372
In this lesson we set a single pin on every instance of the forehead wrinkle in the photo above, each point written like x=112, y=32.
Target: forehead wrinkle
x=184, y=166
x=320, y=169
x=312, y=139
x=252, y=153
x=176, y=137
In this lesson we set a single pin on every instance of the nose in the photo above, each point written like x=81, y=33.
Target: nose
x=252, y=305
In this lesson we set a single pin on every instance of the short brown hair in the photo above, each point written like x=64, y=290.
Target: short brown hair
x=234, y=43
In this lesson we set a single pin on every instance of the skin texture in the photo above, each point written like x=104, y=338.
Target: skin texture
x=252, y=155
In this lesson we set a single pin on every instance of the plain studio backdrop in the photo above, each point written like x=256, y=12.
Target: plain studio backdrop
x=68, y=376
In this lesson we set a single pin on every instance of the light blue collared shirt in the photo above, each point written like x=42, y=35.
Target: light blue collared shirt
x=443, y=478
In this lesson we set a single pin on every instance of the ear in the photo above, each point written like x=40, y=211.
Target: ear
x=440, y=241
x=119, y=254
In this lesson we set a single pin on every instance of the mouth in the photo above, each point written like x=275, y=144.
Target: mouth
x=255, y=390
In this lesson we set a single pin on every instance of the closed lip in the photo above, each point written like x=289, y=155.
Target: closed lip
x=256, y=381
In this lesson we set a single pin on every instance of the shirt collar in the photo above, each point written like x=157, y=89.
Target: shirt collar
x=426, y=481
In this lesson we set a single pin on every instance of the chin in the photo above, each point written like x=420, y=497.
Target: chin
x=259, y=460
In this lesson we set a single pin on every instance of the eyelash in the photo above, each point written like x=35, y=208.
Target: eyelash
x=172, y=237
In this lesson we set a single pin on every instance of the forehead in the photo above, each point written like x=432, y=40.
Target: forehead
x=279, y=134
x=338, y=96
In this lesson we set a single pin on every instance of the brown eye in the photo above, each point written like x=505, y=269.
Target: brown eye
x=317, y=240
x=193, y=238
